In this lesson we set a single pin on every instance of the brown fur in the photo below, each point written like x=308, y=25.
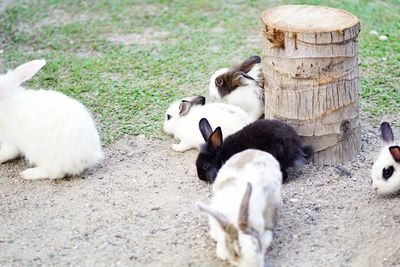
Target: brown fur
x=186, y=105
x=395, y=151
x=235, y=76
x=244, y=209
x=243, y=160
x=215, y=139
x=228, y=228
x=227, y=181
x=233, y=247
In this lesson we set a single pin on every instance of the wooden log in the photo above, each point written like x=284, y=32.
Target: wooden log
x=310, y=64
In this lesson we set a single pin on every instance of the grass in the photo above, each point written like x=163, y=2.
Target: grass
x=128, y=87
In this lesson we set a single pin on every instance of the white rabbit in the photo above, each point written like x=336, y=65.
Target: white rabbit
x=183, y=116
x=53, y=132
x=180, y=109
x=242, y=213
x=241, y=85
x=386, y=169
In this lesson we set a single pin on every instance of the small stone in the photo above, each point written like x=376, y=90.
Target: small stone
x=343, y=171
x=373, y=32
x=383, y=37
x=1, y=51
x=294, y=200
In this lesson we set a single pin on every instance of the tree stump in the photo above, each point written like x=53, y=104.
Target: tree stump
x=310, y=65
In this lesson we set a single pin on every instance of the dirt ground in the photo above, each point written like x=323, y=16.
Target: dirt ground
x=137, y=209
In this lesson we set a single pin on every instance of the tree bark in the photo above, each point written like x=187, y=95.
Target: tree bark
x=310, y=64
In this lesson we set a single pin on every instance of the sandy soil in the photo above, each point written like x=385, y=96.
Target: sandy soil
x=137, y=209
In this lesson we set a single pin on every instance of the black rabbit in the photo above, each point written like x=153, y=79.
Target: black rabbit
x=273, y=136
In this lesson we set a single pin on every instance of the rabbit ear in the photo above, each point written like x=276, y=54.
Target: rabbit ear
x=386, y=133
x=199, y=100
x=205, y=128
x=395, y=151
x=248, y=64
x=26, y=71
x=242, y=75
x=184, y=107
x=228, y=227
x=215, y=140
x=244, y=210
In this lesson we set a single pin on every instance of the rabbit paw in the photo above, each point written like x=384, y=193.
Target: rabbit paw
x=180, y=147
x=8, y=152
x=34, y=174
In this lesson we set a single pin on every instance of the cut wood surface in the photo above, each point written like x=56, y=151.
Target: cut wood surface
x=308, y=19
x=310, y=64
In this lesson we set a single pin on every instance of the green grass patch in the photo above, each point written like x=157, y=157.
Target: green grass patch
x=176, y=46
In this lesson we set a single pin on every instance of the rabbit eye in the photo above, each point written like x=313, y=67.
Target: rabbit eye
x=387, y=172
x=219, y=82
x=168, y=117
x=205, y=166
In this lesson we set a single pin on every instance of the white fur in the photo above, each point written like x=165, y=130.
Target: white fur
x=379, y=184
x=248, y=97
x=212, y=89
x=173, y=110
x=53, y=132
x=262, y=171
x=186, y=128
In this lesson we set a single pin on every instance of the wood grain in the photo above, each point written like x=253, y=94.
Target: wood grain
x=310, y=64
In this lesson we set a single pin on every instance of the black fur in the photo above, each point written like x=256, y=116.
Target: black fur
x=309, y=151
x=199, y=100
x=248, y=64
x=273, y=136
x=186, y=105
x=205, y=129
x=386, y=133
